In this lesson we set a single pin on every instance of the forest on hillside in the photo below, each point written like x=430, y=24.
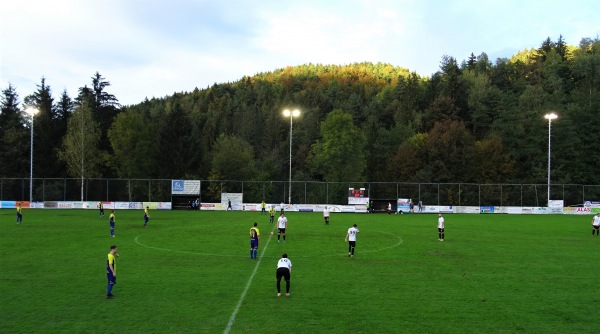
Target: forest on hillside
x=473, y=121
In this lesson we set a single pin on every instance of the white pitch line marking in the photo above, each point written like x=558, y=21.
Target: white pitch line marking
x=179, y=251
x=239, y=304
x=137, y=241
x=382, y=249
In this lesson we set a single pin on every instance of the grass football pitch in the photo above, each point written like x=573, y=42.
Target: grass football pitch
x=191, y=272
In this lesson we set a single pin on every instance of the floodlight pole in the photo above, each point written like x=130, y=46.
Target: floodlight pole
x=549, y=117
x=291, y=115
x=31, y=111
x=290, y=178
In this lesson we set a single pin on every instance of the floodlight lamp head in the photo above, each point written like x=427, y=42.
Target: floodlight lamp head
x=31, y=110
x=551, y=116
x=291, y=113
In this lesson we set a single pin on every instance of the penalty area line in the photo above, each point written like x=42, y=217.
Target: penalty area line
x=239, y=304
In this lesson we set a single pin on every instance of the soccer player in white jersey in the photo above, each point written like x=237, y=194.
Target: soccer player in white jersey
x=326, y=215
x=281, y=225
x=284, y=269
x=351, y=238
x=440, y=227
x=596, y=224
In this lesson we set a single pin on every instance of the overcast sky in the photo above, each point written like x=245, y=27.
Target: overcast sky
x=151, y=48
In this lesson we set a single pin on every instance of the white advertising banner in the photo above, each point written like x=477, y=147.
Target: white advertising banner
x=555, y=211
x=121, y=205
x=347, y=208
x=254, y=207
x=164, y=206
x=468, y=209
x=555, y=203
x=445, y=209
x=185, y=187
x=305, y=208
x=517, y=210
x=136, y=205
x=536, y=210
x=438, y=209
x=286, y=207
x=500, y=209
x=64, y=205
x=208, y=206
x=430, y=209
x=151, y=205
x=237, y=199
x=360, y=208
x=358, y=200
x=577, y=211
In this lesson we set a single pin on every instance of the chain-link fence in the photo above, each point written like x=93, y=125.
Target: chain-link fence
x=303, y=192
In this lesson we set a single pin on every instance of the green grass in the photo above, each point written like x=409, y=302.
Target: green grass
x=187, y=272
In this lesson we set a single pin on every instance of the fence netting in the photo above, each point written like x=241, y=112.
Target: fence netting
x=302, y=192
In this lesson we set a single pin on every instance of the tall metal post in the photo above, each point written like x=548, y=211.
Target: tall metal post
x=291, y=115
x=549, y=117
x=31, y=111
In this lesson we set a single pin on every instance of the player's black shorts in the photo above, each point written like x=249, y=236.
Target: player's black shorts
x=352, y=243
x=281, y=230
x=253, y=243
x=596, y=227
x=283, y=272
x=440, y=230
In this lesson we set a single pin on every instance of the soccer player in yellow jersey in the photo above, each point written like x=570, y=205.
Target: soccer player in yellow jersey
x=19, y=214
x=263, y=207
x=254, y=241
x=146, y=216
x=272, y=214
x=111, y=270
x=111, y=222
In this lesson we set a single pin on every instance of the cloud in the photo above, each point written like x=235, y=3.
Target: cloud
x=154, y=48
x=354, y=32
